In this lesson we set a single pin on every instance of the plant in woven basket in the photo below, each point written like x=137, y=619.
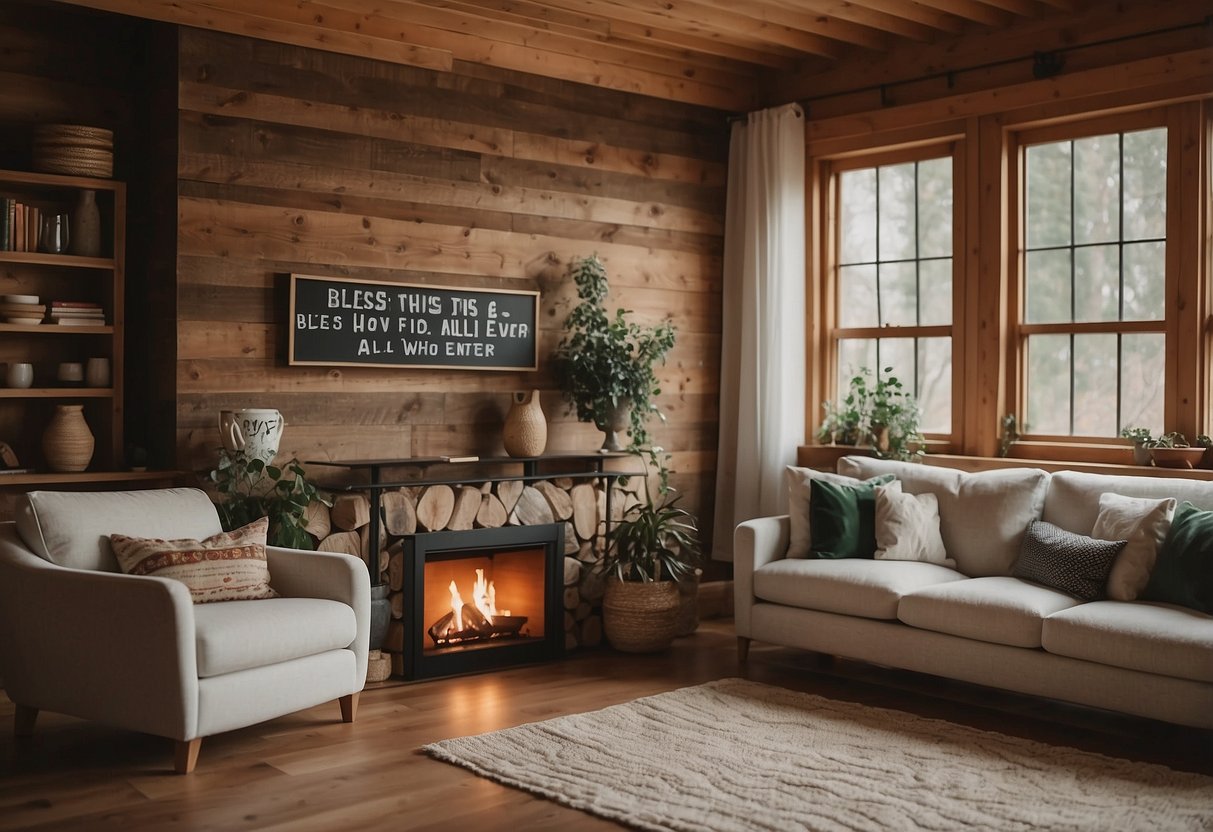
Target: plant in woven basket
x=249, y=489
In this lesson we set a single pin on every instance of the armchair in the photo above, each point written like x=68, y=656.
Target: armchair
x=135, y=652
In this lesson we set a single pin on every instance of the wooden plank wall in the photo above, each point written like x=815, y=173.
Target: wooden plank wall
x=295, y=160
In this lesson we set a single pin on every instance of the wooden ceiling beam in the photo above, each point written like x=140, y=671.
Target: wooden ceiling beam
x=1020, y=8
x=875, y=18
x=813, y=23
x=971, y=10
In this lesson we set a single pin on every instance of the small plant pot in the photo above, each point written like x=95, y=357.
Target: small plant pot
x=1177, y=457
x=880, y=438
x=848, y=436
x=640, y=617
x=1141, y=454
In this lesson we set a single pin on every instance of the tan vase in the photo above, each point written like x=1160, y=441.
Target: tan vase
x=85, y=239
x=67, y=442
x=526, y=430
x=640, y=617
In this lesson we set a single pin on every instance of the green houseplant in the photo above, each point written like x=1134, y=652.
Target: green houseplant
x=879, y=410
x=605, y=363
x=1141, y=439
x=249, y=489
x=653, y=547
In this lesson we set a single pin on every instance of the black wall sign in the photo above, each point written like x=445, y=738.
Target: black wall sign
x=338, y=321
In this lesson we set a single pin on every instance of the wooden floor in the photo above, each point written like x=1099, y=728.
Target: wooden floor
x=310, y=771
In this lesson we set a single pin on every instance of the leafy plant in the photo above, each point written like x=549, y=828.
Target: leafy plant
x=1138, y=436
x=655, y=540
x=1174, y=439
x=603, y=361
x=249, y=489
x=871, y=407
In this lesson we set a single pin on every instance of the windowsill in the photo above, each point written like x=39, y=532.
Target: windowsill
x=827, y=456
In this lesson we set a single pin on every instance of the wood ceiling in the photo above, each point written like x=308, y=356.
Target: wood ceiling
x=720, y=53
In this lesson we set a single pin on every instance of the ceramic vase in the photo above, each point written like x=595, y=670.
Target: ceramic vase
x=616, y=420
x=67, y=443
x=526, y=430
x=257, y=431
x=85, y=239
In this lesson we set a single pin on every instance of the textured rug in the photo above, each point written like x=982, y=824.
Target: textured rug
x=739, y=755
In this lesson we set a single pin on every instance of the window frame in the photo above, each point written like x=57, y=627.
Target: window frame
x=828, y=196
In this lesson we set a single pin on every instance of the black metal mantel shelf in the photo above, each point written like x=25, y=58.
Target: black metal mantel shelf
x=530, y=473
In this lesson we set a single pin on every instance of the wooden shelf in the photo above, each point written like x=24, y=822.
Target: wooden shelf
x=57, y=329
x=58, y=180
x=40, y=258
x=86, y=477
x=56, y=392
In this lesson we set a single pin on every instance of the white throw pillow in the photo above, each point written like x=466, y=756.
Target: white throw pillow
x=800, y=539
x=907, y=526
x=1142, y=522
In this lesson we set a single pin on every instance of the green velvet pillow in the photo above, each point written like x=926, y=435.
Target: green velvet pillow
x=1183, y=574
x=842, y=519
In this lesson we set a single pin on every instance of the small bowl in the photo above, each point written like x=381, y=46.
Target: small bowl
x=1177, y=457
x=23, y=321
x=30, y=299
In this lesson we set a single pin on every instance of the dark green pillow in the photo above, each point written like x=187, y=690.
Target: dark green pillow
x=842, y=519
x=1183, y=574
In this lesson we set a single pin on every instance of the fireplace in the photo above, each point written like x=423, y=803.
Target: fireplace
x=482, y=599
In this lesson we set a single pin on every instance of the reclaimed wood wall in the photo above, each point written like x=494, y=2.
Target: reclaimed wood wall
x=295, y=160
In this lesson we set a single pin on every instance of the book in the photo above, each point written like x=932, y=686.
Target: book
x=74, y=304
x=77, y=313
x=460, y=458
x=5, y=203
x=78, y=321
x=17, y=471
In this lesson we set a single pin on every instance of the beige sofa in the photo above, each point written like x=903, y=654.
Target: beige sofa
x=81, y=638
x=976, y=623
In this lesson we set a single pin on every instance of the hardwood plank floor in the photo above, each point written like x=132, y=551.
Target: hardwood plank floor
x=310, y=771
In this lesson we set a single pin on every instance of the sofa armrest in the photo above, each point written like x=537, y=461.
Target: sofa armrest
x=330, y=575
x=105, y=646
x=755, y=543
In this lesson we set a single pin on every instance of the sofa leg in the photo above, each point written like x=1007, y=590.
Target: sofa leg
x=349, y=707
x=743, y=648
x=186, y=755
x=23, y=721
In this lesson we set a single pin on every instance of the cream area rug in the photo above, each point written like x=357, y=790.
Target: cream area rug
x=739, y=755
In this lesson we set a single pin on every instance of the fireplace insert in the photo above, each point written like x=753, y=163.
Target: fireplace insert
x=482, y=599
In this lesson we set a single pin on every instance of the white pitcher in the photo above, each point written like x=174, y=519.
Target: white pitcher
x=255, y=430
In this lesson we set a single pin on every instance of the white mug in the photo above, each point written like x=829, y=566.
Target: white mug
x=255, y=430
x=97, y=372
x=19, y=375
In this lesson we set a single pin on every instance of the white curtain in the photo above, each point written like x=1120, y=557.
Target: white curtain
x=762, y=362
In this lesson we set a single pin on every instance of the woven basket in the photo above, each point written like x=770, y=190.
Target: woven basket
x=640, y=617
x=74, y=131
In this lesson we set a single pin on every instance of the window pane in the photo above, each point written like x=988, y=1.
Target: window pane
x=1048, y=195
x=1048, y=384
x=854, y=354
x=935, y=292
x=1145, y=281
x=898, y=294
x=898, y=229
x=857, y=296
x=1097, y=283
x=1048, y=286
x=935, y=384
x=1097, y=189
x=935, y=208
x=1142, y=367
x=897, y=356
x=1145, y=175
x=1095, y=373
x=857, y=190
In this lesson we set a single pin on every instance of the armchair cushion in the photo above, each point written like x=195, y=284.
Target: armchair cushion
x=72, y=529
x=229, y=566
x=239, y=635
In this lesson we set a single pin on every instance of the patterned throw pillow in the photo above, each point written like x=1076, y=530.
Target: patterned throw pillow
x=1072, y=563
x=229, y=566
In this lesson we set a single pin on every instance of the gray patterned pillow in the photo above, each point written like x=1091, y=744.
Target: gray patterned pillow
x=1071, y=563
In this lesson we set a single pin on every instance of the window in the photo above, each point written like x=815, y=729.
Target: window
x=893, y=277
x=1092, y=271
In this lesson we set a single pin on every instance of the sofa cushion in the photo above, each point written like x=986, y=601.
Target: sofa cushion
x=996, y=609
x=238, y=635
x=1073, y=563
x=1144, y=523
x=842, y=520
x=800, y=539
x=72, y=529
x=855, y=586
x=1183, y=573
x=982, y=517
x=1073, y=499
x=1153, y=638
x=229, y=566
x=907, y=527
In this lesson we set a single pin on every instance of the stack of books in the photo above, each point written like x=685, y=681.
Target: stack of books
x=19, y=225
x=75, y=313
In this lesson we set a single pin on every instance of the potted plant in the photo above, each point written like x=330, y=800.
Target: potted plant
x=249, y=489
x=880, y=409
x=1171, y=450
x=605, y=364
x=1141, y=439
x=1206, y=461
x=649, y=551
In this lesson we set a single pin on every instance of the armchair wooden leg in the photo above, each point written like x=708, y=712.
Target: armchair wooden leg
x=349, y=707
x=743, y=648
x=186, y=756
x=23, y=721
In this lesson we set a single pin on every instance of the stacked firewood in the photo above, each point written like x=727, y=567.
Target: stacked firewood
x=580, y=504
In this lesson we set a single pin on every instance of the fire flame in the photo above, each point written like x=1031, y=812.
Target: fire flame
x=484, y=596
x=457, y=606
